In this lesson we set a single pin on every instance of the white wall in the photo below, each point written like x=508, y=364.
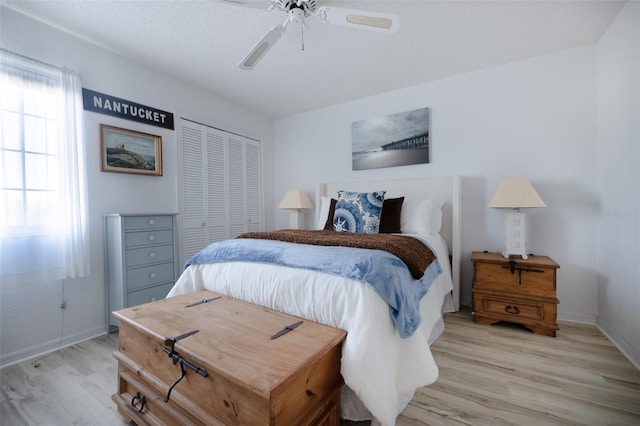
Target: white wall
x=534, y=118
x=618, y=148
x=31, y=319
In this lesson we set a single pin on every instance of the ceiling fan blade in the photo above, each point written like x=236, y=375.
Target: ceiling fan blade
x=374, y=21
x=263, y=46
x=254, y=4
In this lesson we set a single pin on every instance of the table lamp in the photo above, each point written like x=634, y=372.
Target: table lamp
x=296, y=200
x=515, y=194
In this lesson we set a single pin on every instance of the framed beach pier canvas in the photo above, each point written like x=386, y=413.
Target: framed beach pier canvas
x=394, y=140
x=128, y=151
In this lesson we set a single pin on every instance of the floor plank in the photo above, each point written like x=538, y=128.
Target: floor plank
x=489, y=375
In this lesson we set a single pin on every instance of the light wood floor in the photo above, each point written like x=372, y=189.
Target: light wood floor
x=505, y=375
x=489, y=375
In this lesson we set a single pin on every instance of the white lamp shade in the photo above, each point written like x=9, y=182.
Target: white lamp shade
x=295, y=199
x=515, y=193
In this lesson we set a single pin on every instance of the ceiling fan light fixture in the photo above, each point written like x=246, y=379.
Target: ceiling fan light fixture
x=297, y=16
x=370, y=21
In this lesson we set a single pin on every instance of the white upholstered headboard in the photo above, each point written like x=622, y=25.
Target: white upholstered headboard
x=444, y=188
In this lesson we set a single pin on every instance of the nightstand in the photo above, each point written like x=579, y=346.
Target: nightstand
x=515, y=290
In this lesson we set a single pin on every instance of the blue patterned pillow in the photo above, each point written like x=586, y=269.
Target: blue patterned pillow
x=358, y=212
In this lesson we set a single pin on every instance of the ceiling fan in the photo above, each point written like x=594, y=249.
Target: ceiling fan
x=297, y=12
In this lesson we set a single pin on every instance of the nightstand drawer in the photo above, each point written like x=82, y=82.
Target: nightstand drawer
x=145, y=255
x=537, y=315
x=149, y=275
x=525, y=279
x=509, y=308
x=147, y=295
x=147, y=222
x=133, y=239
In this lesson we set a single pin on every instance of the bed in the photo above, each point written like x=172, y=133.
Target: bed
x=382, y=363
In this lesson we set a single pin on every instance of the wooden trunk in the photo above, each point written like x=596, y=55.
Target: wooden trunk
x=515, y=290
x=251, y=379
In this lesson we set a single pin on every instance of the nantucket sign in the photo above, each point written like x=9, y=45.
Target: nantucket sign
x=110, y=105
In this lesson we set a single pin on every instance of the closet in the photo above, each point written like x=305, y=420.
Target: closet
x=220, y=189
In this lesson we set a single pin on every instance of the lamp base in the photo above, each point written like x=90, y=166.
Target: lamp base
x=514, y=234
x=296, y=220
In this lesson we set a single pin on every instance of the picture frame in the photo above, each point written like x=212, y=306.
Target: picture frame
x=400, y=139
x=129, y=151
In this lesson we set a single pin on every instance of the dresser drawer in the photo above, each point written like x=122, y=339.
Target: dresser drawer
x=525, y=279
x=147, y=222
x=133, y=239
x=149, y=275
x=147, y=295
x=146, y=255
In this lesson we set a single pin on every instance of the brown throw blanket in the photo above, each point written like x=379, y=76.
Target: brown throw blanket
x=415, y=254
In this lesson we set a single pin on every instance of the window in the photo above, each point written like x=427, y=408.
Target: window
x=43, y=220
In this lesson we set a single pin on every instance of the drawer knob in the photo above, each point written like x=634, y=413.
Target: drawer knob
x=137, y=399
x=151, y=222
x=152, y=275
x=152, y=237
x=512, y=309
x=152, y=254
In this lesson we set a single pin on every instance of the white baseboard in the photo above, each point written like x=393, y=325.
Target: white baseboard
x=632, y=354
x=48, y=347
x=583, y=319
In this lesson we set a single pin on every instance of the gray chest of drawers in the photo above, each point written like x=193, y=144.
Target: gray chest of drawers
x=141, y=259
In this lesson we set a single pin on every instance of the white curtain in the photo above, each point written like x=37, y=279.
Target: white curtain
x=44, y=233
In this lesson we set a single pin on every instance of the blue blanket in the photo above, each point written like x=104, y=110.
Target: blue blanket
x=384, y=272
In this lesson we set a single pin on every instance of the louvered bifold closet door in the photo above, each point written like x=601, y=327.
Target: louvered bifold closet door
x=193, y=201
x=221, y=188
x=217, y=205
x=237, y=204
x=253, y=178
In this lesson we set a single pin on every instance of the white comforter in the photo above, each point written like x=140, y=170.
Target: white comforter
x=380, y=367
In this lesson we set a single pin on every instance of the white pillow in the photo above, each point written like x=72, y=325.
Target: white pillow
x=421, y=217
x=325, y=204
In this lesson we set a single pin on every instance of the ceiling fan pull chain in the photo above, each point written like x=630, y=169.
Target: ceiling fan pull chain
x=302, y=37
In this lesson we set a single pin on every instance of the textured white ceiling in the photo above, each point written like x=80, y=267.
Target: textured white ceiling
x=201, y=42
